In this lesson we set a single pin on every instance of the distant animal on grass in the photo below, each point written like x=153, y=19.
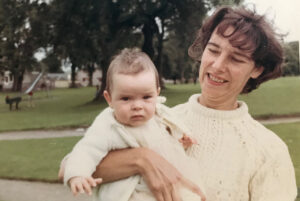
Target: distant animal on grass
x=11, y=101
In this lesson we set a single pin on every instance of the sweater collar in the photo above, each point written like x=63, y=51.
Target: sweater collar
x=196, y=107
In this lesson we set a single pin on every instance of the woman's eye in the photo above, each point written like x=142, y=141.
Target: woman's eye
x=213, y=51
x=237, y=60
x=147, y=97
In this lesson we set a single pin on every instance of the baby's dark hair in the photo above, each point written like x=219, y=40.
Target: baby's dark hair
x=252, y=33
x=129, y=61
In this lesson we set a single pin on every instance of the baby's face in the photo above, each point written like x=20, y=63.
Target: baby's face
x=133, y=97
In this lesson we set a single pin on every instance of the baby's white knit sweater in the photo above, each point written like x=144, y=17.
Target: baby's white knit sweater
x=240, y=159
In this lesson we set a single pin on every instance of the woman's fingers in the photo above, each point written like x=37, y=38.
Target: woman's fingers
x=175, y=193
x=159, y=197
x=160, y=176
x=167, y=193
x=192, y=187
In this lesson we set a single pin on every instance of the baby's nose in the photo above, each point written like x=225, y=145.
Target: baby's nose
x=137, y=105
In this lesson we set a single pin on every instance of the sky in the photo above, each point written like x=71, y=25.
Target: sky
x=284, y=13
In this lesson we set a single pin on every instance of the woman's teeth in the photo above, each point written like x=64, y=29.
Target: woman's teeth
x=215, y=79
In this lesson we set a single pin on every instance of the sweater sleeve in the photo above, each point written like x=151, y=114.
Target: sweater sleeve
x=275, y=179
x=99, y=139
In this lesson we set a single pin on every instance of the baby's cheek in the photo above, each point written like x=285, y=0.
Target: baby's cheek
x=153, y=109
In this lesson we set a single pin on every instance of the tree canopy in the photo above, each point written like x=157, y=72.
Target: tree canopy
x=88, y=33
x=291, y=64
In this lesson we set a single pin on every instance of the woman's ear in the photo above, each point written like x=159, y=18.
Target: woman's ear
x=256, y=72
x=158, y=91
x=107, y=98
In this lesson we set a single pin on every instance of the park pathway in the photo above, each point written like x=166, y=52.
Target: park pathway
x=14, y=190
x=38, y=134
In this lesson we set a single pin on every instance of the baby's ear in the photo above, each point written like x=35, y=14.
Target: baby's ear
x=158, y=91
x=107, y=97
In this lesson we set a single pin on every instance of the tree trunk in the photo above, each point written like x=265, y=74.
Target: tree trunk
x=91, y=70
x=73, y=76
x=18, y=81
x=158, y=60
x=148, y=32
x=99, y=94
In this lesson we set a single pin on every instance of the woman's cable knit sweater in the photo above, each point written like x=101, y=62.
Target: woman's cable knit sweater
x=240, y=159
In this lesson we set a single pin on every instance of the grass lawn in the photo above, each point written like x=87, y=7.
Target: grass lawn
x=36, y=159
x=63, y=108
x=275, y=97
x=290, y=134
x=39, y=159
x=72, y=107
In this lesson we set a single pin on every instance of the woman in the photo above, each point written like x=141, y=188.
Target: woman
x=240, y=160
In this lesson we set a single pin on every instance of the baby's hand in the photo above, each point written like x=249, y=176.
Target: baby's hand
x=83, y=184
x=187, y=141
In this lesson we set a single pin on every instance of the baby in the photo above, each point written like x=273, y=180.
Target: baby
x=134, y=119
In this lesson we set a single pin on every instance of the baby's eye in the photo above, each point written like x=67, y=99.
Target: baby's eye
x=125, y=98
x=147, y=97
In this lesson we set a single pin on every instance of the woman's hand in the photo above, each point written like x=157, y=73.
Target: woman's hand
x=162, y=178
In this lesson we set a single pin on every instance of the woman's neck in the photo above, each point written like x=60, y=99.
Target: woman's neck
x=218, y=105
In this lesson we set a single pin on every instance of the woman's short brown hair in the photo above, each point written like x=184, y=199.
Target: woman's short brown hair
x=129, y=61
x=251, y=33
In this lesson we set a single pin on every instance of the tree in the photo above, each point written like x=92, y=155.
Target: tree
x=19, y=38
x=291, y=63
x=157, y=19
x=163, y=20
x=70, y=38
x=52, y=63
x=181, y=34
x=89, y=32
x=191, y=20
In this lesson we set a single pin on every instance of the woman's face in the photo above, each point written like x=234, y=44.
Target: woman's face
x=224, y=71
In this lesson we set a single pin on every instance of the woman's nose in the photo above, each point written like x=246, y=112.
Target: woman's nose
x=220, y=63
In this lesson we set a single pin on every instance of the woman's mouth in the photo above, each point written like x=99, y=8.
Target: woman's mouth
x=216, y=79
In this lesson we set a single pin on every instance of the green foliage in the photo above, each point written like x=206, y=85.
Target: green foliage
x=181, y=32
x=291, y=64
x=36, y=159
x=40, y=158
x=52, y=63
x=88, y=33
x=64, y=108
x=289, y=133
x=19, y=38
x=71, y=107
x=275, y=97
